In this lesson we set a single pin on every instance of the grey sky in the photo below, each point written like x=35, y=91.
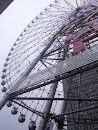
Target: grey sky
x=12, y=22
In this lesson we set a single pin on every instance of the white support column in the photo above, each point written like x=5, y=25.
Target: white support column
x=40, y=56
x=4, y=100
x=47, y=108
x=65, y=91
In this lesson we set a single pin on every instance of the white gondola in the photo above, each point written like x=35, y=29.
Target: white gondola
x=9, y=104
x=21, y=118
x=32, y=125
x=4, y=89
x=14, y=111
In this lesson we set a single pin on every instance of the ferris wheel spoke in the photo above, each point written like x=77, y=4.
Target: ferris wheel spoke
x=27, y=108
x=60, y=10
x=77, y=3
x=69, y=4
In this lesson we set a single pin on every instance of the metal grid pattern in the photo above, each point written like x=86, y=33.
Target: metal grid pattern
x=66, y=66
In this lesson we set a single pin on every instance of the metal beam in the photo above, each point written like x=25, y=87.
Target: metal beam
x=74, y=123
x=49, y=98
x=67, y=113
x=27, y=108
x=58, y=78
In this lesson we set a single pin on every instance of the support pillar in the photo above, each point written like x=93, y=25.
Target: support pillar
x=33, y=64
x=4, y=100
x=47, y=108
x=65, y=90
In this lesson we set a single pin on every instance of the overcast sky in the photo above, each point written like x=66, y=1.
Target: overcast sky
x=12, y=22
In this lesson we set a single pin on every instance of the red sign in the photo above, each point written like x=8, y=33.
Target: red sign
x=78, y=46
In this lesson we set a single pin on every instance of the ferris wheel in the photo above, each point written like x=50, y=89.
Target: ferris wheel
x=48, y=65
